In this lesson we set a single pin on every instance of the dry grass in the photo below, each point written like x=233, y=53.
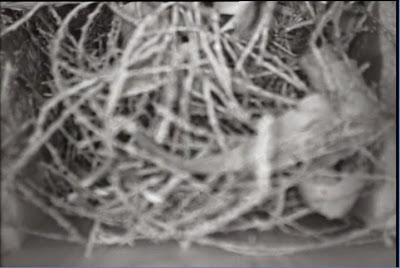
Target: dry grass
x=166, y=70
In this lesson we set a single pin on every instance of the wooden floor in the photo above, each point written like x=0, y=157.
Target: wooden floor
x=41, y=252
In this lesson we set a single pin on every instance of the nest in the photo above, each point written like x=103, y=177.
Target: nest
x=145, y=120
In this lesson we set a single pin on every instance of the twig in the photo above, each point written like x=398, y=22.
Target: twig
x=264, y=23
x=92, y=238
x=52, y=212
x=22, y=20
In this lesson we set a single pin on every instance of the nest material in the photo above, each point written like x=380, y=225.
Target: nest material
x=168, y=72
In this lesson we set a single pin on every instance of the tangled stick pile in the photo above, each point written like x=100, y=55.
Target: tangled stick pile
x=282, y=90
